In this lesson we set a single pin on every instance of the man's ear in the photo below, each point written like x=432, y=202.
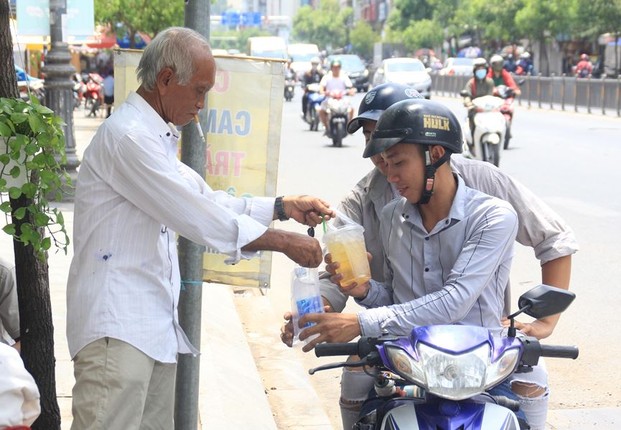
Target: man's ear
x=164, y=78
x=437, y=151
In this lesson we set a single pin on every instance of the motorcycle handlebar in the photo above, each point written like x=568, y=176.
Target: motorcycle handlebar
x=362, y=348
x=560, y=351
x=331, y=349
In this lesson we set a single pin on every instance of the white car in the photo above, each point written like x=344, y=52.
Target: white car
x=457, y=66
x=406, y=71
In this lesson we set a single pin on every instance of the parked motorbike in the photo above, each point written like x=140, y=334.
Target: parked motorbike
x=79, y=88
x=312, y=106
x=289, y=85
x=490, y=127
x=438, y=378
x=93, y=95
x=506, y=109
x=338, y=112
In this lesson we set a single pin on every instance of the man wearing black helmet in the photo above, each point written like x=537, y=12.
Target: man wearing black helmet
x=458, y=269
x=541, y=228
x=438, y=211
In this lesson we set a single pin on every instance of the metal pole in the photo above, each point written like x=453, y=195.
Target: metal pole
x=58, y=89
x=193, y=153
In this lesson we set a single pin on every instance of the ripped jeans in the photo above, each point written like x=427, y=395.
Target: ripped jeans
x=533, y=393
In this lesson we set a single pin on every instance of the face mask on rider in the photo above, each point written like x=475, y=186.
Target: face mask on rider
x=480, y=74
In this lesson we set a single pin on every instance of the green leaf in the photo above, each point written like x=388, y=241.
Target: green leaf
x=41, y=219
x=20, y=213
x=36, y=124
x=15, y=192
x=9, y=229
x=44, y=110
x=5, y=207
x=19, y=117
x=5, y=130
x=46, y=243
x=29, y=189
x=15, y=172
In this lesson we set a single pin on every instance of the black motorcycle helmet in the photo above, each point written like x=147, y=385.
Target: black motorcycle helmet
x=419, y=121
x=378, y=100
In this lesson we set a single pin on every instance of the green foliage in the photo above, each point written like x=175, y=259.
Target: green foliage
x=34, y=150
x=326, y=26
x=150, y=16
x=362, y=38
x=425, y=34
x=407, y=11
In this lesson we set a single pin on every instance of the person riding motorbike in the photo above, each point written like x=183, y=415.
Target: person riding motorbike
x=312, y=76
x=290, y=80
x=541, y=229
x=584, y=67
x=525, y=65
x=335, y=80
x=500, y=76
x=477, y=86
x=416, y=138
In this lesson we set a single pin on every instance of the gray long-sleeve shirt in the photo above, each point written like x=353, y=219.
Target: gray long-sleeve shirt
x=456, y=273
x=539, y=226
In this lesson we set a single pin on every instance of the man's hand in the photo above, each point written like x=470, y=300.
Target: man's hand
x=303, y=249
x=332, y=327
x=286, y=331
x=539, y=328
x=307, y=210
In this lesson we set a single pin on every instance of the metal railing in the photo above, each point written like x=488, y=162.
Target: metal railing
x=565, y=93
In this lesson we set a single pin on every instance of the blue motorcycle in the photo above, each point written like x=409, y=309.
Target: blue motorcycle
x=439, y=377
x=313, y=103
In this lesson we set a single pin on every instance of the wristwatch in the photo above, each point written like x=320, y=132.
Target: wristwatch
x=280, y=209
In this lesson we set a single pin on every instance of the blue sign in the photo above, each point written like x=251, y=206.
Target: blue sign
x=231, y=19
x=246, y=19
x=33, y=18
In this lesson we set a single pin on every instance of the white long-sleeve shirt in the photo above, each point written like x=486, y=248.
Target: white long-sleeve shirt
x=133, y=196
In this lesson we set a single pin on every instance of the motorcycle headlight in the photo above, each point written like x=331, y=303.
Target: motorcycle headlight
x=501, y=368
x=404, y=365
x=453, y=376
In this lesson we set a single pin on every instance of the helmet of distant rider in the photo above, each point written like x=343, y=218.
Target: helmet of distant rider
x=525, y=55
x=315, y=61
x=496, y=62
x=479, y=63
x=584, y=57
x=378, y=100
x=421, y=121
x=335, y=63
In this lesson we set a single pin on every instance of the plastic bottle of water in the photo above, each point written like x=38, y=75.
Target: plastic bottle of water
x=305, y=297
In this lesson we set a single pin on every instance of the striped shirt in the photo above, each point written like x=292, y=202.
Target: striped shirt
x=133, y=196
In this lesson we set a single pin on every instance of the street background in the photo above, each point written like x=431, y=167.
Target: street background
x=249, y=378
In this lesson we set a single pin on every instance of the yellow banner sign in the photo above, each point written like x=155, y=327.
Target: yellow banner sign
x=244, y=110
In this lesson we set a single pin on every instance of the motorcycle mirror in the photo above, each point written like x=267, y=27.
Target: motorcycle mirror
x=544, y=300
x=464, y=93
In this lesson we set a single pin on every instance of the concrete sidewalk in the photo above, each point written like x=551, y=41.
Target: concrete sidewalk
x=239, y=354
